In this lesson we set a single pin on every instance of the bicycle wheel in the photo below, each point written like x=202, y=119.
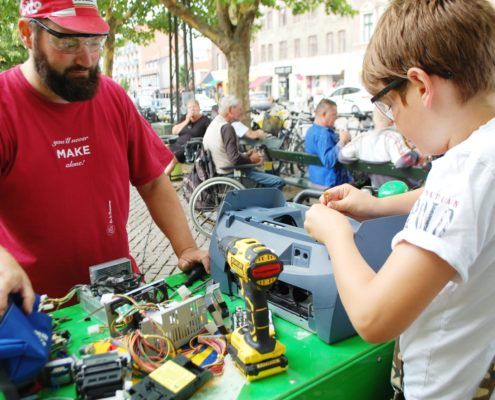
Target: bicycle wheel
x=206, y=200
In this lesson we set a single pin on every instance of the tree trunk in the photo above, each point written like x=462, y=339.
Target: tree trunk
x=109, y=51
x=239, y=60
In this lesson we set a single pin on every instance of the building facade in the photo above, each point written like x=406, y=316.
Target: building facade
x=295, y=57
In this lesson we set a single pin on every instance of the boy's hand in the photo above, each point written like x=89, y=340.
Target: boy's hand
x=13, y=279
x=350, y=201
x=323, y=223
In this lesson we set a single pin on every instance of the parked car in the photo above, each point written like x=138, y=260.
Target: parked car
x=259, y=101
x=351, y=100
x=205, y=102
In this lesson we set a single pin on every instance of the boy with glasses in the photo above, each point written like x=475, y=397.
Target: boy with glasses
x=431, y=66
x=70, y=142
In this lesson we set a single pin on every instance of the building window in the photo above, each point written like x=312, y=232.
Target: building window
x=367, y=27
x=312, y=46
x=282, y=50
x=269, y=19
x=297, y=48
x=330, y=48
x=342, y=40
x=263, y=53
x=270, y=52
x=282, y=17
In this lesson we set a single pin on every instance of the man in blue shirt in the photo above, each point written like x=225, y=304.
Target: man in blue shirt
x=322, y=140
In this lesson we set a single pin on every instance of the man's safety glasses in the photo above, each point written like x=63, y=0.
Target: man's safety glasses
x=70, y=43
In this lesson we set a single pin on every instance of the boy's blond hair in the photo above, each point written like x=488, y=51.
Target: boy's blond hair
x=451, y=38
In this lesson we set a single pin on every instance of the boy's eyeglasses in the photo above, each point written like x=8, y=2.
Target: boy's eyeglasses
x=384, y=108
x=70, y=43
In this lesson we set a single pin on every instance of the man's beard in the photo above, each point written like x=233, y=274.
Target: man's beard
x=62, y=84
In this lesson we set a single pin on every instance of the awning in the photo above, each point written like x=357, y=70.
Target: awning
x=259, y=81
x=209, y=80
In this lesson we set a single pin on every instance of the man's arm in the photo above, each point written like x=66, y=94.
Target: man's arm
x=176, y=129
x=13, y=279
x=231, y=148
x=165, y=209
x=257, y=134
x=328, y=151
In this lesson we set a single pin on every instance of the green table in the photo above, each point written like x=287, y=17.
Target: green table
x=351, y=369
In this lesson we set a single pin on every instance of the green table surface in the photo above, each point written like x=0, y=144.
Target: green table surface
x=351, y=369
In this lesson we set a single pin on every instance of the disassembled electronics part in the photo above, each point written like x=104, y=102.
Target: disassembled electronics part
x=101, y=375
x=180, y=322
x=108, y=308
x=58, y=373
x=177, y=379
x=217, y=307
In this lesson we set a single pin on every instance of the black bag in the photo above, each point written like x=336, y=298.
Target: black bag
x=203, y=169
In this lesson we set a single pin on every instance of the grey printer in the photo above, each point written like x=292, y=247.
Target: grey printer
x=306, y=293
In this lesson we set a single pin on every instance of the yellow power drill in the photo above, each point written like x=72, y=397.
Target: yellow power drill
x=254, y=351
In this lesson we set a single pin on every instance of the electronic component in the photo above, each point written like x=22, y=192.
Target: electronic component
x=178, y=321
x=101, y=375
x=114, y=268
x=177, y=379
x=216, y=306
x=195, y=274
x=59, y=372
x=107, y=311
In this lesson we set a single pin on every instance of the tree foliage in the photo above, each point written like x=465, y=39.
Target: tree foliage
x=229, y=24
x=130, y=20
x=12, y=52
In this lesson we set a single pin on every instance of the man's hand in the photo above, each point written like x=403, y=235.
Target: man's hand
x=344, y=138
x=255, y=157
x=13, y=279
x=189, y=257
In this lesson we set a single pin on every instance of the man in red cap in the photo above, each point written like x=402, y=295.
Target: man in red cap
x=70, y=142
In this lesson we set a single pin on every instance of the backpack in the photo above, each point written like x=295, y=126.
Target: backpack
x=202, y=169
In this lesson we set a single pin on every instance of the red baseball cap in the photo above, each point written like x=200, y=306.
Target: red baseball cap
x=76, y=15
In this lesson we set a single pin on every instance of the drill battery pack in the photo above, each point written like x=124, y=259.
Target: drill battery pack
x=253, y=364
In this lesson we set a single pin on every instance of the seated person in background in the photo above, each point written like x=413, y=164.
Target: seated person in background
x=221, y=140
x=242, y=131
x=381, y=145
x=193, y=126
x=322, y=140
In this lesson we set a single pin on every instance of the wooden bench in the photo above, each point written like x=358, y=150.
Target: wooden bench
x=387, y=169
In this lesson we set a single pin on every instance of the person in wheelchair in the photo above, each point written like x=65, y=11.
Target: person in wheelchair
x=222, y=142
x=193, y=126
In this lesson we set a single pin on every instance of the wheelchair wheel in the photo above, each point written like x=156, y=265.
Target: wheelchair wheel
x=206, y=200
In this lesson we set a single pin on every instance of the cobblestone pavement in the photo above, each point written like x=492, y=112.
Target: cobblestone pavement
x=149, y=246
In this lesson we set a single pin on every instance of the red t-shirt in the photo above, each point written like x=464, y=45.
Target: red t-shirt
x=64, y=179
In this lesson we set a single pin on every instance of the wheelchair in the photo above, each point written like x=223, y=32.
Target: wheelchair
x=207, y=197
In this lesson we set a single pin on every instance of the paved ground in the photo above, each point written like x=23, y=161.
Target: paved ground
x=150, y=248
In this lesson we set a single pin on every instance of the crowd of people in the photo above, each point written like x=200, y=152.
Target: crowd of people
x=71, y=141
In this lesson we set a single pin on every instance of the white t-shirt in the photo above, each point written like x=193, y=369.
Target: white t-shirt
x=447, y=350
x=240, y=128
